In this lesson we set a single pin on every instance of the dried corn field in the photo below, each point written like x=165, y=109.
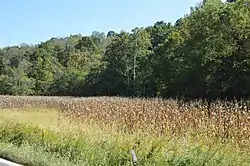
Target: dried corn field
x=226, y=121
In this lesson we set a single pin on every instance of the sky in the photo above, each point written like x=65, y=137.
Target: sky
x=35, y=21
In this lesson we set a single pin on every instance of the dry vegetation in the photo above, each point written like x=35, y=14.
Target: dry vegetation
x=223, y=120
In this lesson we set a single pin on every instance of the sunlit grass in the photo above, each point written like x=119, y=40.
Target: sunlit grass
x=41, y=117
x=51, y=119
x=105, y=145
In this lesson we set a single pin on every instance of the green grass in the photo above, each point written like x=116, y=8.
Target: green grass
x=44, y=137
x=29, y=156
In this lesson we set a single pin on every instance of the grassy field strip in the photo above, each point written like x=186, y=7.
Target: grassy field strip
x=45, y=118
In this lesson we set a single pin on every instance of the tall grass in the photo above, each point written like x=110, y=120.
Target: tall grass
x=223, y=120
x=162, y=132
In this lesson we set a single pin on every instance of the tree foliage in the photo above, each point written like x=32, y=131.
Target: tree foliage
x=205, y=54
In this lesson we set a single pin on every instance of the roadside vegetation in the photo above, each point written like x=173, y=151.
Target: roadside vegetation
x=103, y=131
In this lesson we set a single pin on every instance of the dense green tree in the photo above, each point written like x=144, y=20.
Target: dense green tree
x=111, y=33
x=2, y=66
x=17, y=83
x=41, y=70
x=205, y=54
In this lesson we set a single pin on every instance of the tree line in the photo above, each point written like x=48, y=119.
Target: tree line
x=205, y=54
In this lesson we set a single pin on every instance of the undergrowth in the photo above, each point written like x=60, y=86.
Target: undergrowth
x=87, y=149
